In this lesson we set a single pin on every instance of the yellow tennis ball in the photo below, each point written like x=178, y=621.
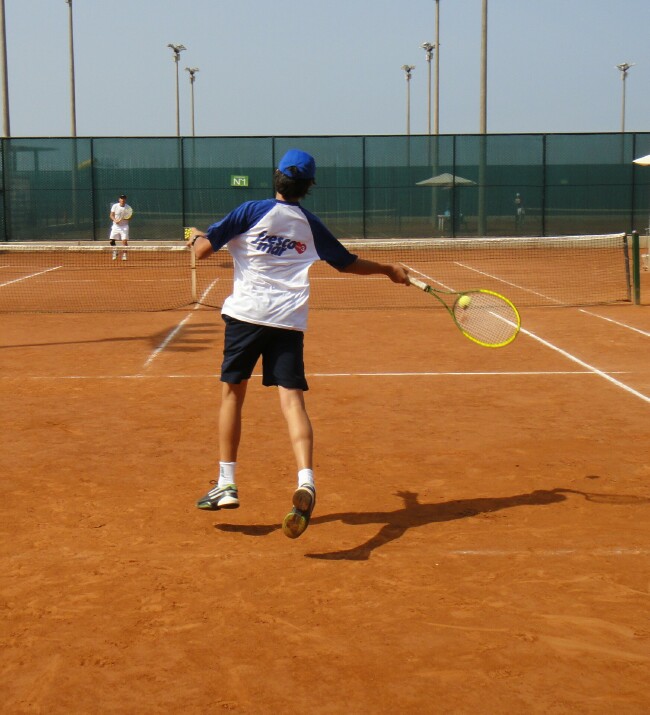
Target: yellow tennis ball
x=464, y=301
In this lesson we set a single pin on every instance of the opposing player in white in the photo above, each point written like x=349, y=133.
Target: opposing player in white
x=121, y=214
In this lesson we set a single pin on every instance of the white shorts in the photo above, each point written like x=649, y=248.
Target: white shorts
x=120, y=233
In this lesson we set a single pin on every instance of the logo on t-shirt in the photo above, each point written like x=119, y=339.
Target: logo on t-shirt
x=276, y=245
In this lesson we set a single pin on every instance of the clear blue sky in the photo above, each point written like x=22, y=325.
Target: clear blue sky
x=325, y=67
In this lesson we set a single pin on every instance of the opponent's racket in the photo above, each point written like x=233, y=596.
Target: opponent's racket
x=485, y=317
x=127, y=213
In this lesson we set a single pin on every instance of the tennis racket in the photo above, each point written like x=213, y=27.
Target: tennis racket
x=127, y=213
x=485, y=317
x=607, y=498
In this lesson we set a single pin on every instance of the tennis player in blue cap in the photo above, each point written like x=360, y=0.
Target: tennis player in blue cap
x=273, y=243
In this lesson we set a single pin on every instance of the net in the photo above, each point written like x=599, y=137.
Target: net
x=549, y=271
x=92, y=278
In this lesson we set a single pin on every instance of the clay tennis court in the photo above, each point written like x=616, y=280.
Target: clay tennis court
x=481, y=541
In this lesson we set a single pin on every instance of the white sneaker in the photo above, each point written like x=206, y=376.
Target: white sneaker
x=114, y=255
x=225, y=497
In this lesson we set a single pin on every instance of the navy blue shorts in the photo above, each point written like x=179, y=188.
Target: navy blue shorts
x=281, y=351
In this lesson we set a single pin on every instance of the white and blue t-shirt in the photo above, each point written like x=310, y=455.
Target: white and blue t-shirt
x=273, y=244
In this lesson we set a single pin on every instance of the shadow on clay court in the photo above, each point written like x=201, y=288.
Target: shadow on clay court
x=192, y=338
x=397, y=523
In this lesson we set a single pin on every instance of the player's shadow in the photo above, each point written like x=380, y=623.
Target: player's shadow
x=191, y=339
x=394, y=524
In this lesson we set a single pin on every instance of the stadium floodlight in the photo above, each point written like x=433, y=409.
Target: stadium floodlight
x=428, y=48
x=177, y=49
x=624, y=67
x=408, y=69
x=192, y=71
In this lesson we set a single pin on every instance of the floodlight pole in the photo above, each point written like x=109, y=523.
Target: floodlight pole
x=428, y=48
x=177, y=49
x=483, y=111
x=408, y=69
x=482, y=165
x=624, y=67
x=5, y=78
x=192, y=71
x=436, y=111
x=73, y=117
x=73, y=108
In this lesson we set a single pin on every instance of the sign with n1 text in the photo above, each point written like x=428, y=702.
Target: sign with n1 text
x=239, y=181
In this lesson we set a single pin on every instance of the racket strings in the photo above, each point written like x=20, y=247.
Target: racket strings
x=488, y=319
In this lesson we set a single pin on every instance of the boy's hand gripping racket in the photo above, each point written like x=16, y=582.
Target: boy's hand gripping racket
x=485, y=317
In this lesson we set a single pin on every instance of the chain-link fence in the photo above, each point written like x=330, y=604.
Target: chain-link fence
x=368, y=186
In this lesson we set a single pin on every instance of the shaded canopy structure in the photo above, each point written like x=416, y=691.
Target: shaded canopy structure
x=452, y=218
x=446, y=181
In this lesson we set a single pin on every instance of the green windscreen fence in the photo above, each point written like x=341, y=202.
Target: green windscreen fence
x=368, y=186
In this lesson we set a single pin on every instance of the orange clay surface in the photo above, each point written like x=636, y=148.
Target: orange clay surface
x=481, y=542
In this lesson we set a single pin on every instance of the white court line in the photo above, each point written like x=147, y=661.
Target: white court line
x=573, y=358
x=166, y=341
x=31, y=275
x=616, y=322
x=546, y=297
x=431, y=279
x=177, y=329
x=593, y=369
x=452, y=374
x=502, y=280
x=567, y=355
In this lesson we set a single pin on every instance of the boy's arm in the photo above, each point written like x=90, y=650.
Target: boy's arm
x=395, y=271
x=202, y=246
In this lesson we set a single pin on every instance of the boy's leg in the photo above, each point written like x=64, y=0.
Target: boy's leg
x=301, y=434
x=224, y=494
x=232, y=402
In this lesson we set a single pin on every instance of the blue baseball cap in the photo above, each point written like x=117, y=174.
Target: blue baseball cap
x=297, y=164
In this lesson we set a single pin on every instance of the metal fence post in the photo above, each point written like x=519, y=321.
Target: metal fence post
x=636, y=270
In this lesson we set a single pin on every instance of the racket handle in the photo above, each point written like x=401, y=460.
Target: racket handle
x=418, y=283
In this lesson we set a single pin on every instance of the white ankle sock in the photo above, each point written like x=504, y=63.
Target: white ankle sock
x=306, y=476
x=226, y=473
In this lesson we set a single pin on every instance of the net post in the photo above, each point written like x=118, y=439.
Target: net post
x=636, y=271
x=193, y=273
